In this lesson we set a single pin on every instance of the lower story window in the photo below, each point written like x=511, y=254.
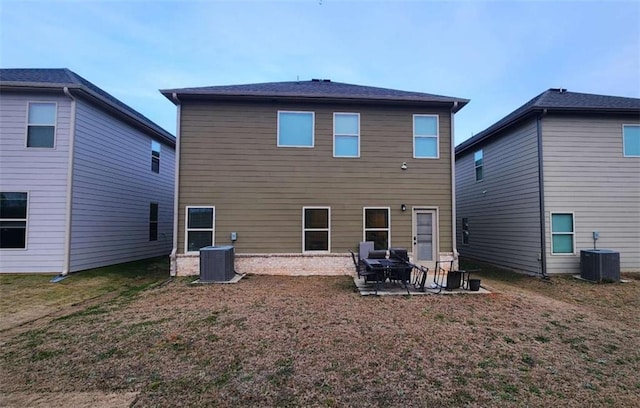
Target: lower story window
x=13, y=220
x=316, y=228
x=377, y=227
x=153, y=222
x=562, y=233
x=199, y=228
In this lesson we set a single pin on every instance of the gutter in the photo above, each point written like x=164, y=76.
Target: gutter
x=174, y=251
x=72, y=136
x=543, y=235
x=454, y=244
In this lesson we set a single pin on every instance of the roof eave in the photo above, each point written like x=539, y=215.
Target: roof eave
x=456, y=104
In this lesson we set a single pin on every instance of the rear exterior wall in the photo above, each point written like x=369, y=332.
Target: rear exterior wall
x=230, y=160
x=586, y=173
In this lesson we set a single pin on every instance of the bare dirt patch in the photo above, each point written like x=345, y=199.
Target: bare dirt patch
x=313, y=341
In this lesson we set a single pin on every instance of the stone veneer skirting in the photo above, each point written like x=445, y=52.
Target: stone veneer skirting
x=283, y=264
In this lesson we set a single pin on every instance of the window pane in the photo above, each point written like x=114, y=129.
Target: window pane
x=346, y=124
x=632, y=140
x=40, y=136
x=155, y=148
x=562, y=244
x=376, y=218
x=316, y=241
x=13, y=205
x=346, y=146
x=200, y=218
x=153, y=231
x=153, y=212
x=295, y=129
x=426, y=126
x=380, y=239
x=198, y=239
x=562, y=223
x=426, y=147
x=316, y=218
x=13, y=234
x=155, y=165
x=478, y=173
x=477, y=157
x=42, y=113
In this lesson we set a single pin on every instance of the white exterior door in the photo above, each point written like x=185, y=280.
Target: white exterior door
x=425, y=240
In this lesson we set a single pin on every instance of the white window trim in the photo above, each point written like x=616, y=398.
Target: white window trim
x=26, y=224
x=313, y=130
x=328, y=229
x=187, y=229
x=437, y=136
x=345, y=134
x=573, y=234
x=475, y=166
x=55, y=126
x=364, y=223
x=624, y=153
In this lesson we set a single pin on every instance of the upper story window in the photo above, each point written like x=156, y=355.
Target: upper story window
x=478, y=162
x=316, y=229
x=346, y=135
x=562, y=233
x=377, y=227
x=155, y=156
x=295, y=129
x=631, y=142
x=199, y=228
x=13, y=220
x=425, y=136
x=41, y=124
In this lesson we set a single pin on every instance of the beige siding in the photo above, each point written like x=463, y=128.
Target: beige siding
x=229, y=159
x=503, y=209
x=585, y=173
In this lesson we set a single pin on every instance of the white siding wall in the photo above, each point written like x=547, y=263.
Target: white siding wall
x=503, y=209
x=585, y=173
x=113, y=187
x=43, y=174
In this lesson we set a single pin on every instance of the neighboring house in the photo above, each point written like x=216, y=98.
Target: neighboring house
x=85, y=181
x=534, y=187
x=295, y=174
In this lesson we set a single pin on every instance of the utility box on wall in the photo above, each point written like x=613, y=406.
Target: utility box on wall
x=216, y=264
x=600, y=265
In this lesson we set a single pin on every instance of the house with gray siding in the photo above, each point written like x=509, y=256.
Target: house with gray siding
x=85, y=180
x=534, y=187
x=296, y=174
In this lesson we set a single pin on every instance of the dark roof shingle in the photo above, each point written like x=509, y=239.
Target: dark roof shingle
x=314, y=89
x=63, y=77
x=556, y=99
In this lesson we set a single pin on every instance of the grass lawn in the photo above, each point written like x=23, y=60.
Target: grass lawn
x=312, y=341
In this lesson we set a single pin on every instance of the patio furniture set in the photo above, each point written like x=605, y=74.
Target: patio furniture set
x=375, y=266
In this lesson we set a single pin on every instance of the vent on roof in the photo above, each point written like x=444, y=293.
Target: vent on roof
x=320, y=80
x=559, y=90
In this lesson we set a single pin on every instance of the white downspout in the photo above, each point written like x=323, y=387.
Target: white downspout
x=72, y=136
x=174, y=251
x=453, y=190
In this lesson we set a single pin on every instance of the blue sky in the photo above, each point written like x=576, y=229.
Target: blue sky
x=499, y=54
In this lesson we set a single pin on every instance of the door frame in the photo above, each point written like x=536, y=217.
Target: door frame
x=435, y=234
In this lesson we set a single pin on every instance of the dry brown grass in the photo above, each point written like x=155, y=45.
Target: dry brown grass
x=313, y=341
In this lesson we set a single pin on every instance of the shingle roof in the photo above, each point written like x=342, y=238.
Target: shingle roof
x=63, y=77
x=314, y=89
x=556, y=99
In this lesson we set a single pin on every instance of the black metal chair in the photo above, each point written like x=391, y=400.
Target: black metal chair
x=363, y=272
